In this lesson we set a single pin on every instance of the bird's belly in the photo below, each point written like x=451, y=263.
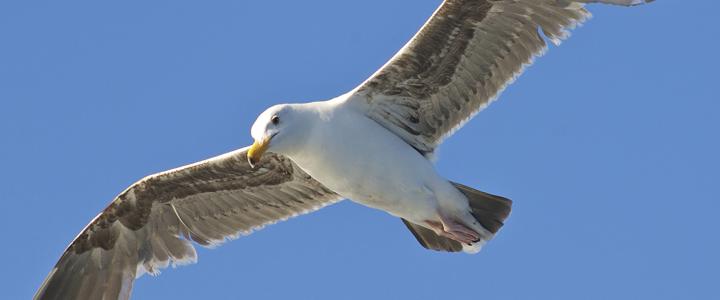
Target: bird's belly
x=371, y=166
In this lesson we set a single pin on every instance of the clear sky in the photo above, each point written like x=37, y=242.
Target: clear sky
x=608, y=146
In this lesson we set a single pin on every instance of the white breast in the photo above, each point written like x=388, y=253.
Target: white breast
x=364, y=162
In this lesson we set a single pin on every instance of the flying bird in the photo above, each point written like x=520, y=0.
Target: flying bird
x=372, y=145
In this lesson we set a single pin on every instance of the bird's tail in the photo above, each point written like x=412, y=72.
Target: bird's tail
x=490, y=210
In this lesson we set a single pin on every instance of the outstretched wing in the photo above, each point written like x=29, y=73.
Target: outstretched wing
x=460, y=60
x=151, y=224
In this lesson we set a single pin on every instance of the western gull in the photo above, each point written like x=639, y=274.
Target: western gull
x=372, y=145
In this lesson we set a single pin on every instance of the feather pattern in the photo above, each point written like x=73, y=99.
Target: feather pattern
x=150, y=225
x=460, y=60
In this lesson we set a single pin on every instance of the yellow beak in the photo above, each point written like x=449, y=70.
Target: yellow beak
x=256, y=151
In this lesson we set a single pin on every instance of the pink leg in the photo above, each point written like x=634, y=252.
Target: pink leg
x=454, y=230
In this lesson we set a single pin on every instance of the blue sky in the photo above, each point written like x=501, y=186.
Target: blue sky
x=608, y=145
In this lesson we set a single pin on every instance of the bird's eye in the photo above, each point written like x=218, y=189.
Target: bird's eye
x=275, y=120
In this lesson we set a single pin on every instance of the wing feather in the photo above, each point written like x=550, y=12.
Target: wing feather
x=460, y=60
x=150, y=225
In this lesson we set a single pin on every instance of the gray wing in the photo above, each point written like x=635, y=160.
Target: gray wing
x=150, y=225
x=460, y=60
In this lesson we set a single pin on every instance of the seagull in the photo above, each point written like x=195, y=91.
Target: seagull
x=373, y=145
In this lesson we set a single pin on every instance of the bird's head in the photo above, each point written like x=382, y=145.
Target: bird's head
x=273, y=131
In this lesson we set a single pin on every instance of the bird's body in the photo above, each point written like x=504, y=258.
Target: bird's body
x=370, y=145
x=350, y=154
x=328, y=157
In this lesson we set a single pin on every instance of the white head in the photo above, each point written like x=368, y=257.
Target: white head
x=278, y=129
